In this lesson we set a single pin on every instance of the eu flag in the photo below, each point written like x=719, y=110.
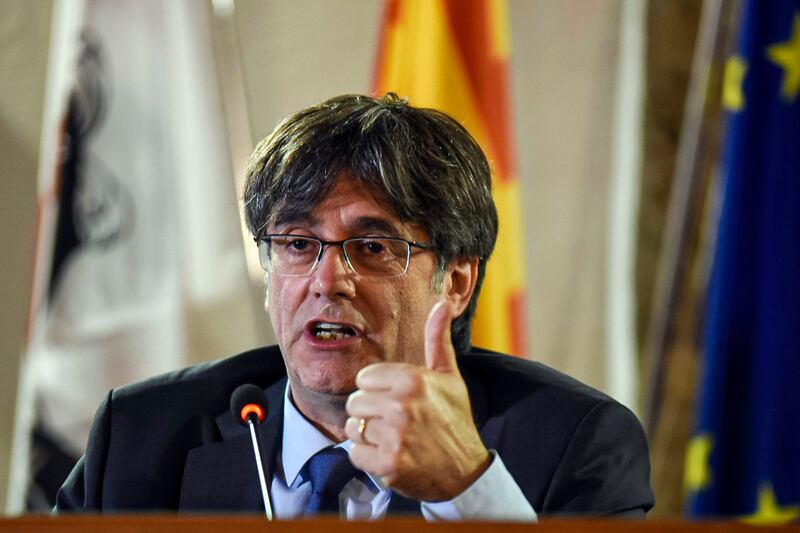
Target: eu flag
x=744, y=460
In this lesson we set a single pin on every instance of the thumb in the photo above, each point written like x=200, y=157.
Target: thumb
x=439, y=352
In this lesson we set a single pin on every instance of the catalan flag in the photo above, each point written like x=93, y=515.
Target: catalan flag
x=744, y=460
x=453, y=55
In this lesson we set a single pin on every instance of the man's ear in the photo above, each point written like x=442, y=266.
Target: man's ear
x=459, y=282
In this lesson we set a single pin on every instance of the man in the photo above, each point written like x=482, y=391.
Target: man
x=374, y=222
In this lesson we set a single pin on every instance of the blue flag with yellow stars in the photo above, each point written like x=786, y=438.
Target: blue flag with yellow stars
x=744, y=460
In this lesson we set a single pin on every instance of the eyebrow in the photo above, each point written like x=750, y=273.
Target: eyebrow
x=375, y=224
x=360, y=225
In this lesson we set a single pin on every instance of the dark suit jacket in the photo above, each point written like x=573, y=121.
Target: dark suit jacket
x=170, y=443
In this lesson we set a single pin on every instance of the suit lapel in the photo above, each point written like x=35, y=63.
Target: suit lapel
x=222, y=475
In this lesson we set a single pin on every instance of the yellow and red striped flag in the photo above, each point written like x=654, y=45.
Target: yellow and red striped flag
x=453, y=55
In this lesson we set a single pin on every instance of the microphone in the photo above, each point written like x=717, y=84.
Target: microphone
x=249, y=406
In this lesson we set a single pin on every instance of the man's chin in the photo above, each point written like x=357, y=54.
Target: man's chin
x=324, y=389
x=328, y=374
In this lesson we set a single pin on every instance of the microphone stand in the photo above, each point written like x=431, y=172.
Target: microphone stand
x=252, y=419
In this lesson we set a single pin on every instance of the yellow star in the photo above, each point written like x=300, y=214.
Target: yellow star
x=697, y=474
x=769, y=512
x=732, y=79
x=787, y=56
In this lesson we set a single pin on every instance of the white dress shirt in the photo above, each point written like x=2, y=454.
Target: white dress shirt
x=493, y=496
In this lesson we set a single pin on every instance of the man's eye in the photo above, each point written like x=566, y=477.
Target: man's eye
x=373, y=247
x=294, y=246
x=298, y=245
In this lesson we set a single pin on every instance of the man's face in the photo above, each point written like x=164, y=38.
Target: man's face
x=386, y=315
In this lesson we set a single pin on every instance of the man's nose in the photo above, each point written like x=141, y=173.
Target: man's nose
x=332, y=275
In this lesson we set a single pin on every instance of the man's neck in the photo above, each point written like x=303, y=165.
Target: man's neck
x=326, y=412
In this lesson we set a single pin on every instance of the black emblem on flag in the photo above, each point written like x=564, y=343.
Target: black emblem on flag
x=95, y=209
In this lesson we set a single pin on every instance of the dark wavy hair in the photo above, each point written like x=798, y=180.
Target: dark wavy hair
x=423, y=162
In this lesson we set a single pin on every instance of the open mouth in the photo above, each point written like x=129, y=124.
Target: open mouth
x=329, y=331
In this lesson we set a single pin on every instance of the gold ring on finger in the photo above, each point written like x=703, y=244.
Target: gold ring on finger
x=362, y=427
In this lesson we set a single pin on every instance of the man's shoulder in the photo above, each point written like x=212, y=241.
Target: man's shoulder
x=570, y=448
x=507, y=375
x=528, y=393
x=203, y=386
x=143, y=432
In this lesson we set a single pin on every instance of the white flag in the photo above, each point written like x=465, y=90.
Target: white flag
x=139, y=234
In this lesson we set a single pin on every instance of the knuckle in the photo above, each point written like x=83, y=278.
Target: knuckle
x=355, y=453
x=359, y=456
x=363, y=375
x=415, y=382
x=352, y=402
x=349, y=426
x=400, y=413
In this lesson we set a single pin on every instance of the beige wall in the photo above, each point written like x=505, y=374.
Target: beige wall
x=298, y=52
x=564, y=67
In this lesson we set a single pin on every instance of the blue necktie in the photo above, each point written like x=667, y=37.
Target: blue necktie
x=329, y=471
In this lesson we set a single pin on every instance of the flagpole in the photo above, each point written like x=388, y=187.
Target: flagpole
x=621, y=368
x=235, y=111
x=685, y=204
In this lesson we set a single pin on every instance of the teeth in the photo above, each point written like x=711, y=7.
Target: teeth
x=329, y=331
x=328, y=335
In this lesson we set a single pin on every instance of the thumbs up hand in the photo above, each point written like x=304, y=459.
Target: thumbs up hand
x=440, y=355
x=419, y=437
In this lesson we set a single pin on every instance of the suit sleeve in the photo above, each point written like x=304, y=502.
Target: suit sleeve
x=605, y=469
x=82, y=490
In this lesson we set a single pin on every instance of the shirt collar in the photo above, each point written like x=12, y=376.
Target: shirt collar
x=301, y=441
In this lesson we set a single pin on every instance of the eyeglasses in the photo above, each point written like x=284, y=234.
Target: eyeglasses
x=298, y=255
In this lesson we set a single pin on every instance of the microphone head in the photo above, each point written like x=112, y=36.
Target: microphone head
x=248, y=399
